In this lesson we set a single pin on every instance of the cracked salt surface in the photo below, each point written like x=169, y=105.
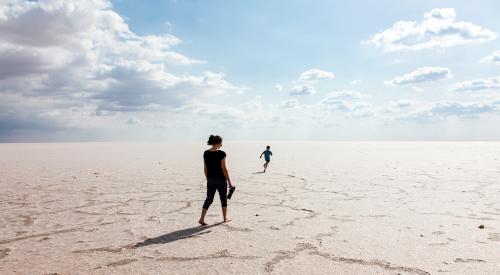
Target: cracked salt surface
x=377, y=208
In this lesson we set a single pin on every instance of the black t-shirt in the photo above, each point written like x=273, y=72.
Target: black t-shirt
x=212, y=161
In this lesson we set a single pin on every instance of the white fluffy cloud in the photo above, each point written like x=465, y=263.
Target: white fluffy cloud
x=439, y=29
x=139, y=86
x=345, y=95
x=302, y=89
x=398, y=106
x=459, y=108
x=491, y=83
x=424, y=74
x=306, y=80
x=83, y=55
x=278, y=88
x=445, y=109
x=355, y=81
x=315, y=74
x=349, y=102
x=291, y=103
x=492, y=58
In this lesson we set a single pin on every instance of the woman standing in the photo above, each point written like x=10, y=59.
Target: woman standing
x=216, y=175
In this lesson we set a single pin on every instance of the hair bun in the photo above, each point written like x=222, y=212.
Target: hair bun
x=214, y=139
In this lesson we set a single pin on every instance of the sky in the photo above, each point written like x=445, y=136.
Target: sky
x=180, y=70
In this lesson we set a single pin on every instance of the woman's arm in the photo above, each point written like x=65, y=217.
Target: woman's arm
x=205, y=170
x=261, y=155
x=226, y=174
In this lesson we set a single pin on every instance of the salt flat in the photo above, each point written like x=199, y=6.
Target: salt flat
x=322, y=208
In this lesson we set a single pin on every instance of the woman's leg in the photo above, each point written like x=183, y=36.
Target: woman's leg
x=211, y=188
x=224, y=214
x=202, y=218
x=222, y=189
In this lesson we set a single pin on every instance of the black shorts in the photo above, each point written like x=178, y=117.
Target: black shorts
x=268, y=160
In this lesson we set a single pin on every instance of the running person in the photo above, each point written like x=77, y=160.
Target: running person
x=267, y=156
x=216, y=175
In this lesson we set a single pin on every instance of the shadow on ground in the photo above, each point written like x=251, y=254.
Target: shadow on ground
x=177, y=235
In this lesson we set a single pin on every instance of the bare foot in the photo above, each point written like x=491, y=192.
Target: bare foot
x=226, y=220
x=202, y=223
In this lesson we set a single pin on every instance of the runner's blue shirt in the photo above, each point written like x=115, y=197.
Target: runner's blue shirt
x=267, y=155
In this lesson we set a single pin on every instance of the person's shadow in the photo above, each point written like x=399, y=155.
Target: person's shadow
x=258, y=172
x=176, y=235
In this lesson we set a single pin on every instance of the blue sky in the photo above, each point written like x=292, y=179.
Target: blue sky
x=180, y=70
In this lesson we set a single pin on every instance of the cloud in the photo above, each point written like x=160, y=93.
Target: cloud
x=424, y=74
x=302, y=89
x=288, y=104
x=278, y=88
x=492, y=58
x=254, y=104
x=457, y=108
x=142, y=86
x=477, y=85
x=305, y=82
x=33, y=119
x=253, y=113
x=83, y=53
x=134, y=121
x=25, y=122
x=444, y=109
x=355, y=81
x=315, y=75
x=227, y=116
x=345, y=95
x=168, y=26
x=439, y=29
x=398, y=106
x=349, y=102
